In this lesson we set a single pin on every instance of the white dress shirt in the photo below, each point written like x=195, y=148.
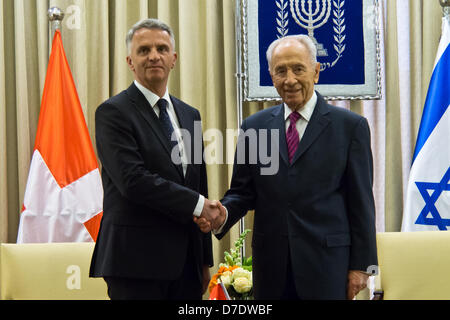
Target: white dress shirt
x=152, y=100
x=305, y=114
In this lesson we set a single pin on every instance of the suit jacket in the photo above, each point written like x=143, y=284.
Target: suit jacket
x=318, y=212
x=147, y=229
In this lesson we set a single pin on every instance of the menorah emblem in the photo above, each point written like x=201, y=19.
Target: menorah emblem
x=312, y=18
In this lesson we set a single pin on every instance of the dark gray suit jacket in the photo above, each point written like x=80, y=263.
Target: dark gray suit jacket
x=319, y=210
x=147, y=229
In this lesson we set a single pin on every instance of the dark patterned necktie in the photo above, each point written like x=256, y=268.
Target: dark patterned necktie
x=292, y=137
x=165, y=121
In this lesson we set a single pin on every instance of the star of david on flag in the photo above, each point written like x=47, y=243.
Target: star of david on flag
x=427, y=205
x=430, y=200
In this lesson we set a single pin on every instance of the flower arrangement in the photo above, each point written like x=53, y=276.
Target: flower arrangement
x=236, y=273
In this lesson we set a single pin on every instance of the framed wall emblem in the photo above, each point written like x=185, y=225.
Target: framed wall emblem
x=346, y=34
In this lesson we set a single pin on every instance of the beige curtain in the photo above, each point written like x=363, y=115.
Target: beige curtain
x=93, y=34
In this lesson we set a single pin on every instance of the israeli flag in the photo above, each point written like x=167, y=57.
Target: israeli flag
x=427, y=204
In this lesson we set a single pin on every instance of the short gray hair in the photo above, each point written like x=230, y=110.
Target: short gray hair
x=302, y=38
x=149, y=24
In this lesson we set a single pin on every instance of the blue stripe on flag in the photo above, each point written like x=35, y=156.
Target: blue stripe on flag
x=437, y=101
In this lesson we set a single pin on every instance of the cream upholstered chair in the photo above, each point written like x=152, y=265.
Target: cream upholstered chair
x=414, y=265
x=50, y=271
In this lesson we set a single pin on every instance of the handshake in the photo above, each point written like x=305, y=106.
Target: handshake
x=212, y=217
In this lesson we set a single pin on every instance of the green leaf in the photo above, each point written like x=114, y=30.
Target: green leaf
x=248, y=268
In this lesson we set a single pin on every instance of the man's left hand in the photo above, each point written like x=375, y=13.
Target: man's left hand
x=357, y=281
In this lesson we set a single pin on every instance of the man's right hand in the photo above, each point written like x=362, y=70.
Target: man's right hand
x=212, y=217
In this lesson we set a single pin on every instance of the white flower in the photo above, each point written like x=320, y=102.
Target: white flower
x=242, y=280
x=242, y=285
x=240, y=272
x=225, y=278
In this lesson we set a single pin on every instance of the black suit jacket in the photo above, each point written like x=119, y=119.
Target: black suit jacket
x=319, y=210
x=147, y=229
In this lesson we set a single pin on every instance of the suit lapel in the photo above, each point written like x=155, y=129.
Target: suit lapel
x=318, y=122
x=184, y=119
x=277, y=122
x=186, y=122
x=144, y=108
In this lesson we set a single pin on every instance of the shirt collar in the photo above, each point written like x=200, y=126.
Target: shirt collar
x=307, y=109
x=150, y=96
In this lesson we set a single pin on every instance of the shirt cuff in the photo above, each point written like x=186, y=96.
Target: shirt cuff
x=199, y=207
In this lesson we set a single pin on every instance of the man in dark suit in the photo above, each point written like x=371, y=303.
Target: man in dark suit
x=148, y=246
x=314, y=230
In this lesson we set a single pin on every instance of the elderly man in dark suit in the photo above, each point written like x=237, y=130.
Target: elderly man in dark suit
x=314, y=230
x=148, y=246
